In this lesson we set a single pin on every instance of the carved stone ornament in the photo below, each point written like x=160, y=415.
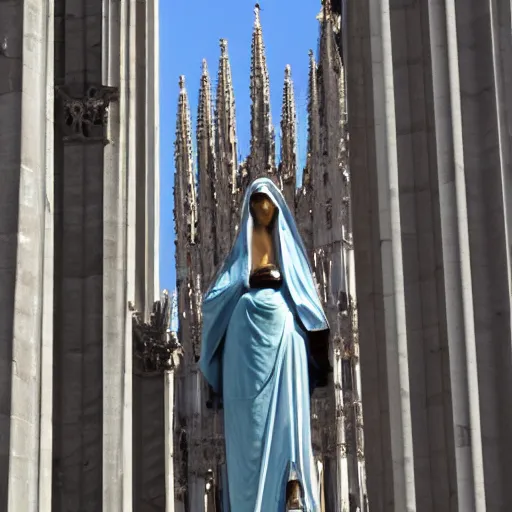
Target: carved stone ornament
x=85, y=119
x=155, y=347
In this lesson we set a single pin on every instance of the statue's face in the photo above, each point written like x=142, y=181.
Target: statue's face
x=263, y=209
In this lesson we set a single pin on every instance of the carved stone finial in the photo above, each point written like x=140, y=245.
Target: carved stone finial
x=182, y=82
x=204, y=67
x=223, y=47
x=257, y=22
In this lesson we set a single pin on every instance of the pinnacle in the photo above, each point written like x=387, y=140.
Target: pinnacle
x=287, y=72
x=312, y=64
x=204, y=68
x=262, y=134
x=182, y=82
x=225, y=143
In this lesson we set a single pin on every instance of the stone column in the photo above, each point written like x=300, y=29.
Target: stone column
x=395, y=329
x=148, y=391
x=169, y=439
x=46, y=405
x=118, y=286
x=153, y=151
x=133, y=413
x=430, y=117
x=78, y=250
x=25, y=94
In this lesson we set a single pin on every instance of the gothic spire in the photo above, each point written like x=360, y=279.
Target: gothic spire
x=288, y=166
x=205, y=112
x=329, y=26
x=328, y=175
x=207, y=175
x=313, y=121
x=330, y=83
x=225, y=119
x=262, y=158
x=226, y=150
x=184, y=178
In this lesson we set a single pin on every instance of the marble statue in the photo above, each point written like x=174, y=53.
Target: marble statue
x=264, y=349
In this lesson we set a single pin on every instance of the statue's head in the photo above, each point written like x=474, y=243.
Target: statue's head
x=263, y=210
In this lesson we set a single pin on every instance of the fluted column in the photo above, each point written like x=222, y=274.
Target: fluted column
x=118, y=218
x=458, y=278
x=395, y=330
x=149, y=459
x=152, y=126
x=430, y=134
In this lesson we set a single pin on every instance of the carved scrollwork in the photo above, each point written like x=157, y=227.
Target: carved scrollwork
x=85, y=118
x=155, y=347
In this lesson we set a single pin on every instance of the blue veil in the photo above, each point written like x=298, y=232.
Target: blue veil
x=232, y=281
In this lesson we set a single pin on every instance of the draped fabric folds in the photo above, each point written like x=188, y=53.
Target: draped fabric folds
x=255, y=353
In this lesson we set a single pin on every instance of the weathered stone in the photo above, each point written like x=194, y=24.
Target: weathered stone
x=85, y=119
x=430, y=97
x=68, y=241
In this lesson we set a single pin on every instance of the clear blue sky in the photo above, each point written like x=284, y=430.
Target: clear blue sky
x=190, y=31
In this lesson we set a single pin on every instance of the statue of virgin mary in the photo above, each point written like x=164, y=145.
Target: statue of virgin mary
x=264, y=348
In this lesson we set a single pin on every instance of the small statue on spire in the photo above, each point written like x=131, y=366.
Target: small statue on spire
x=257, y=10
x=223, y=46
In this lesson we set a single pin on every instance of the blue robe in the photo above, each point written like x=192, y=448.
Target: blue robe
x=255, y=353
